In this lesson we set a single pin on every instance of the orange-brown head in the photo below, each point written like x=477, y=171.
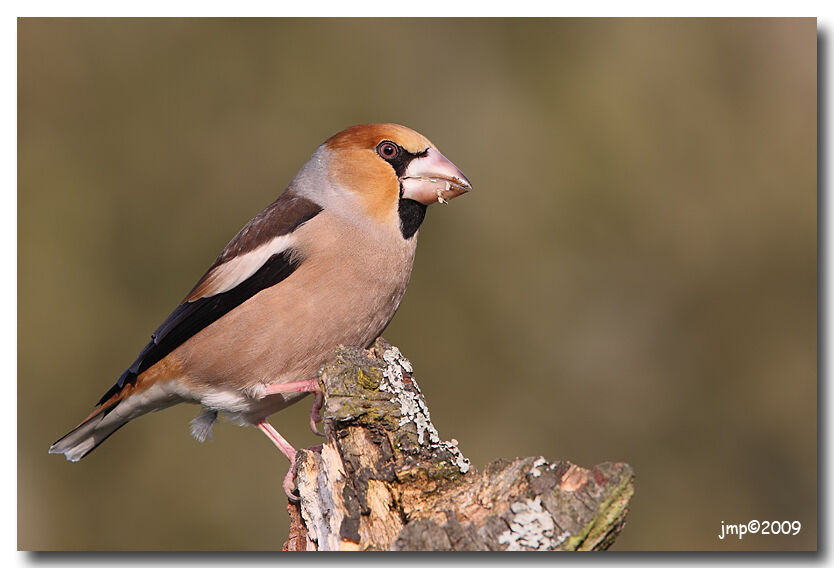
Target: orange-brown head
x=391, y=170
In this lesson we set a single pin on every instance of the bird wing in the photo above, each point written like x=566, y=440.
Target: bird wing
x=258, y=257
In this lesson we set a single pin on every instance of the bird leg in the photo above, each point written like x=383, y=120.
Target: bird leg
x=287, y=450
x=311, y=385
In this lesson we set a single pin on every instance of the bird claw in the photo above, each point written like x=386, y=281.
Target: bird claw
x=312, y=386
x=315, y=415
x=315, y=428
x=289, y=485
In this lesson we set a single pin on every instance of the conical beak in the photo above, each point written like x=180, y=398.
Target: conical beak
x=431, y=178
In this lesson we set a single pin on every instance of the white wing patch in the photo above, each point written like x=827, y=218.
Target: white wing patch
x=231, y=273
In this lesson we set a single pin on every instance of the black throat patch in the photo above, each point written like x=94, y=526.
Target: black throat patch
x=412, y=214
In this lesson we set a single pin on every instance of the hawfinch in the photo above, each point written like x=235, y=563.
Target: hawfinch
x=326, y=263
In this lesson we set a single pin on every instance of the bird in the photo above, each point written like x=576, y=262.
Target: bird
x=325, y=264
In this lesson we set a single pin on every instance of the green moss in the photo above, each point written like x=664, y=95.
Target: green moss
x=369, y=380
x=610, y=510
x=444, y=470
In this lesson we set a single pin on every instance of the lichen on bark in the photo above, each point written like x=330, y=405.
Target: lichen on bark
x=385, y=480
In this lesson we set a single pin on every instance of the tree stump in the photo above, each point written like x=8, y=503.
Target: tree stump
x=384, y=480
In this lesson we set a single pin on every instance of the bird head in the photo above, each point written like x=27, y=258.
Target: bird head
x=385, y=165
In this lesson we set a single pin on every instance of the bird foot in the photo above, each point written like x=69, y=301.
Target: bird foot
x=311, y=385
x=315, y=415
x=286, y=449
x=289, y=484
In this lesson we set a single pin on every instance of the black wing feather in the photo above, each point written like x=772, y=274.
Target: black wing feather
x=191, y=317
x=283, y=216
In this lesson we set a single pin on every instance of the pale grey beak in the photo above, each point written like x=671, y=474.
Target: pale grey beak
x=431, y=178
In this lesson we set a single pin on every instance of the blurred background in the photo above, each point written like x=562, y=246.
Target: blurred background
x=633, y=278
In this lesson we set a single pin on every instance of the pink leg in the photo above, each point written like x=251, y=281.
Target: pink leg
x=311, y=385
x=287, y=450
x=299, y=386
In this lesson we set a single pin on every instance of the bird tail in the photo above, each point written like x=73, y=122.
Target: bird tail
x=96, y=428
x=131, y=402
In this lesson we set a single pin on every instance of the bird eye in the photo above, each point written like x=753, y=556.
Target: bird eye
x=388, y=150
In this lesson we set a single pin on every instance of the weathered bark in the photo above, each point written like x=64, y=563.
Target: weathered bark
x=385, y=481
